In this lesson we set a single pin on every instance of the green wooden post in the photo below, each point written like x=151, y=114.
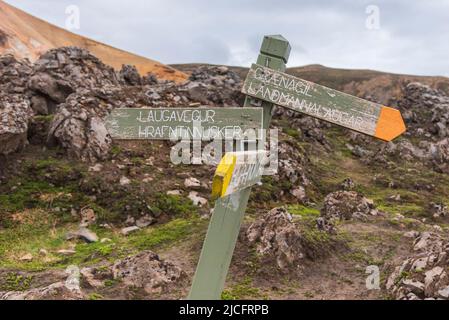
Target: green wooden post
x=224, y=227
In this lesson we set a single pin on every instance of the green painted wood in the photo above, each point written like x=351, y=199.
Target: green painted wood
x=224, y=227
x=312, y=99
x=167, y=123
x=218, y=246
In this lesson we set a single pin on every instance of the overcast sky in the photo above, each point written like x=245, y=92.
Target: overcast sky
x=410, y=36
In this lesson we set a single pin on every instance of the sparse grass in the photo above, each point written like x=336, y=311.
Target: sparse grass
x=174, y=205
x=303, y=211
x=270, y=190
x=166, y=234
x=243, y=290
x=42, y=231
x=16, y=282
x=116, y=150
x=44, y=183
x=44, y=118
x=95, y=296
x=317, y=243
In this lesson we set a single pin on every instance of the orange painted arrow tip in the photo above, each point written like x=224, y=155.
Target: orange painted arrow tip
x=390, y=124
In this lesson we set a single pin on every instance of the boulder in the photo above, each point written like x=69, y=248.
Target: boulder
x=422, y=274
x=55, y=291
x=14, y=74
x=346, y=205
x=276, y=236
x=79, y=128
x=15, y=113
x=130, y=76
x=147, y=271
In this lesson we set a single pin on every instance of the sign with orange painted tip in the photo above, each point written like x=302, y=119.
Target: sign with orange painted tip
x=323, y=103
x=237, y=171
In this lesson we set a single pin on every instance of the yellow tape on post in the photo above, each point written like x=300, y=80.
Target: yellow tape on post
x=223, y=175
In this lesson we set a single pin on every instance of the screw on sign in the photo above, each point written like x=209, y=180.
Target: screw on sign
x=266, y=85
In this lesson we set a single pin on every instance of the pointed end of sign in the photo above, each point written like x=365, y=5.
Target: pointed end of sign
x=390, y=124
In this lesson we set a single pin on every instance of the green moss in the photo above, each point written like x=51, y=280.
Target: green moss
x=39, y=194
x=309, y=294
x=145, y=239
x=16, y=282
x=36, y=232
x=44, y=118
x=402, y=276
x=116, y=150
x=303, y=211
x=166, y=234
x=291, y=132
x=317, y=243
x=102, y=214
x=43, y=183
x=95, y=296
x=174, y=205
x=270, y=190
x=41, y=233
x=243, y=290
x=409, y=209
x=361, y=256
x=137, y=161
x=111, y=282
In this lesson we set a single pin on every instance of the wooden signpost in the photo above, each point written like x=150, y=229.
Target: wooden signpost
x=182, y=123
x=265, y=86
x=229, y=210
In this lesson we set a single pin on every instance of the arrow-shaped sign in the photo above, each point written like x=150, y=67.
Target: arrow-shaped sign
x=324, y=103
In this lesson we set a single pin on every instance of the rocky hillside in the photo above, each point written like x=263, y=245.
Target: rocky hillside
x=373, y=85
x=26, y=36
x=85, y=217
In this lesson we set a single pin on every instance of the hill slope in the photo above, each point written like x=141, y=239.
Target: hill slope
x=378, y=86
x=26, y=36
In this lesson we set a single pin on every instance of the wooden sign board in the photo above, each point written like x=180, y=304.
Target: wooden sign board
x=324, y=103
x=237, y=171
x=182, y=123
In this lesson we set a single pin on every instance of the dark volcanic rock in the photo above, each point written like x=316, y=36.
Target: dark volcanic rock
x=422, y=275
x=15, y=113
x=130, y=76
x=13, y=74
x=63, y=71
x=346, y=205
x=79, y=128
x=276, y=236
x=215, y=85
x=147, y=271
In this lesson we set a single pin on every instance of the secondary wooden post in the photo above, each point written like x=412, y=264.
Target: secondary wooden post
x=224, y=227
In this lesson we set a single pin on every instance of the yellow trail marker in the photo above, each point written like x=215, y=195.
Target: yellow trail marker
x=223, y=175
x=237, y=171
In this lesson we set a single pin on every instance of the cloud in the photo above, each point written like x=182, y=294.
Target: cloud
x=412, y=37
